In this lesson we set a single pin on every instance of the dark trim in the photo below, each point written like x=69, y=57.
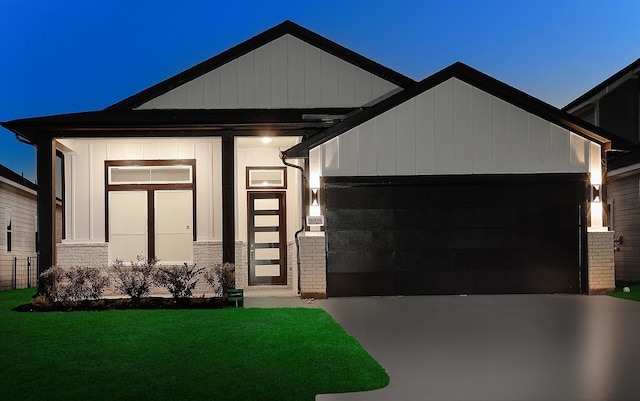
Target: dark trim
x=62, y=192
x=17, y=178
x=46, y=205
x=150, y=189
x=476, y=79
x=167, y=123
x=286, y=27
x=284, y=175
x=282, y=279
x=456, y=179
x=603, y=85
x=228, y=200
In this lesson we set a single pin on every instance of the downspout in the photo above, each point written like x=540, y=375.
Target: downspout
x=302, y=228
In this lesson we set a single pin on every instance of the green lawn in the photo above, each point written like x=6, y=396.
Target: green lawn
x=223, y=354
x=634, y=295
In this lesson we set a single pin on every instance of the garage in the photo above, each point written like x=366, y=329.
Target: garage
x=479, y=234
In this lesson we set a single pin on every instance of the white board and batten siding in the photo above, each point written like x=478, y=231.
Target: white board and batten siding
x=455, y=128
x=85, y=191
x=285, y=73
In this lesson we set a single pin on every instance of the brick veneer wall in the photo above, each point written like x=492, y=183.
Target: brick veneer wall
x=93, y=254
x=313, y=271
x=601, y=262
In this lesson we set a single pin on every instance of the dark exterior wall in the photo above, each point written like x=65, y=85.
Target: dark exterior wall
x=624, y=194
x=618, y=111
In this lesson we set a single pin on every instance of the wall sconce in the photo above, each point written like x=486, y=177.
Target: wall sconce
x=314, y=196
x=595, y=193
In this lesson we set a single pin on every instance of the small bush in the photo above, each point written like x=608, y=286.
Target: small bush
x=179, y=280
x=221, y=277
x=50, y=280
x=83, y=283
x=136, y=280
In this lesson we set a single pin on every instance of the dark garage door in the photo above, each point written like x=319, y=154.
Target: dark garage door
x=455, y=234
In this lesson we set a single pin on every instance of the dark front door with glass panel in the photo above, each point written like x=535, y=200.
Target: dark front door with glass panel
x=267, y=238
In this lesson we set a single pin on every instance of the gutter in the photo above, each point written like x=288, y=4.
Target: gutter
x=283, y=157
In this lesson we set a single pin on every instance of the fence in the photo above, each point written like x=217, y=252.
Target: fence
x=25, y=272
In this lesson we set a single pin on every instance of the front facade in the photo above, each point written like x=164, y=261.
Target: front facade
x=614, y=105
x=315, y=169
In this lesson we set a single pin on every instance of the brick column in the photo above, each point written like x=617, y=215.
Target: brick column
x=313, y=267
x=602, y=276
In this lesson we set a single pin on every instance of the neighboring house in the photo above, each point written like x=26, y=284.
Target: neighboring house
x=455, y=184
x=614, y=105
x=17, y=230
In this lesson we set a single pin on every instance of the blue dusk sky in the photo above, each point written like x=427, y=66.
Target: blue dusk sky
x=69, y=56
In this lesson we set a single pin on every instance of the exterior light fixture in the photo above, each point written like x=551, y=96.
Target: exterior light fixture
x=314, y=196
x=595, y=193
x=266, y=139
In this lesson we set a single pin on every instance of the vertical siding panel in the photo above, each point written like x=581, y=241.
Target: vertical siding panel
x=595, y=162
x=279, y=73
x=262, y=71
x=362, y=86
x=229, y=84
x=481, y=126
x=167, y=150
x=406, y=138
x=246, y=80
x=462, y=130
x=82, y=196
x=559, y=148
x=295, y=67
x=331, y=150
x=349, y=153
x=579, y=148
x=329, y=79
x=346, y=94
x=367, y=148
x=500, y=141
x=195, y=93
x=98, y=156
x=312, y=76
x=539, y=140
x=443, y=124
x=519, y=140
x=186, y=150
x=385, y=143
x=424, y=133
x=178, y=97
x=212, y=89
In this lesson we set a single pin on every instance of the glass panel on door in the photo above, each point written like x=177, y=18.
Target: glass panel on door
x=267, y=238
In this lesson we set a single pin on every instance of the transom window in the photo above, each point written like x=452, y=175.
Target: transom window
x=118, y=175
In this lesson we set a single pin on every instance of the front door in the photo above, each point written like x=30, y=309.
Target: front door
x=267, y=238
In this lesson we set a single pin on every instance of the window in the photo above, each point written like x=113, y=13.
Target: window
x=119, y=175
x=8, y=222
x=266, y=178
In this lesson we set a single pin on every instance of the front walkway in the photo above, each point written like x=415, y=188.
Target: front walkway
x=505, y=347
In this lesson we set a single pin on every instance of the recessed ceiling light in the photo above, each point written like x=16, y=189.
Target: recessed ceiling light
x=266, y=139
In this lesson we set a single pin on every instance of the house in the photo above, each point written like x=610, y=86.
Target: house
x=17, y=231
x=314, y=168
x=614, y=105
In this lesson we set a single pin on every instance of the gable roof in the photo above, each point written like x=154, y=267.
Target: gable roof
x=632, y=69
x=475, y=78
x=16, y=178
x=286, y=27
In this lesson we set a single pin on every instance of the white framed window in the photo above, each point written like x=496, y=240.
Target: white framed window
x=266, y=178
x=120, y=175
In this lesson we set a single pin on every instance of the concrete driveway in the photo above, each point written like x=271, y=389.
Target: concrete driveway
x=505, y=347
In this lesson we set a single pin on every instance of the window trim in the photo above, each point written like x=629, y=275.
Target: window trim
x=149, y=187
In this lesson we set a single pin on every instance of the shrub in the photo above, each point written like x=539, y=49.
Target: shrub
x=83, y=283
x=179, y=280
x=221, y=277
x=50, y=281
x=136, y=280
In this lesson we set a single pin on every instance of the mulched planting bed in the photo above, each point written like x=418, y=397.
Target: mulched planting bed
x=126, y=303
